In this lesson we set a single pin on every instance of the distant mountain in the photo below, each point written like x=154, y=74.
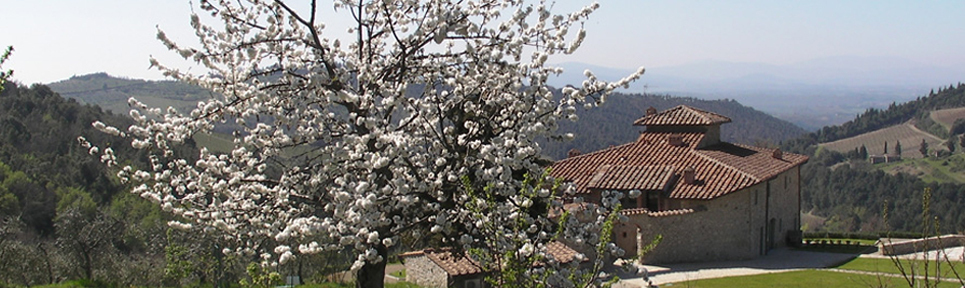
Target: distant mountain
x=811, y=94
x=599, y=127
x=111, y=93
x=612, y=123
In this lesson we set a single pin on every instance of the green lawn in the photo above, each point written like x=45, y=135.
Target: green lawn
x=350, y=285
x=400, y=274
x=805, y=278
x=887, y=266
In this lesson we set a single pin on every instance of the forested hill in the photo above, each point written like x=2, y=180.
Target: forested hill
x=612, y=123
x=849, y=194
x=38, y=140
x=112, y=93
x=874, y=119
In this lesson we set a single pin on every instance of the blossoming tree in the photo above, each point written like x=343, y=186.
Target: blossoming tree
x=356, y=137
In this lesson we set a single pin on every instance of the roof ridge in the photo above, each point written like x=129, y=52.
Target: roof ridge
x=721, y=163
x=596, y=152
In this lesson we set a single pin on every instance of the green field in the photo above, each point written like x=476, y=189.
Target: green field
x=950, y=169
x=805, y=278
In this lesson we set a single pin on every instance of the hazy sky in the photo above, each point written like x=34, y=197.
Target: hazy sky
x=57, y=39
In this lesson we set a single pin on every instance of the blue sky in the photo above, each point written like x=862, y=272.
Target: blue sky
x=57, y=39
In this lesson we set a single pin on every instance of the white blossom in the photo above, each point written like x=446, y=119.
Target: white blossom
x=352, y=136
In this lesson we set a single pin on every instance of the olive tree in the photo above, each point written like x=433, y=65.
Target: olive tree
x=356, y=134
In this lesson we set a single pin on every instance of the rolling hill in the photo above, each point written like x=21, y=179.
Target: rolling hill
x=947, y=117
x=610, y=124
x=907, y=134
x=111, y=93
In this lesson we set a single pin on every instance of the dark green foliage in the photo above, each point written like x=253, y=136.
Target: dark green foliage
x=923, y=147
x=39, y=131
x=853, y=197
x=68, y=209
x=612, y=123
x=4, y=75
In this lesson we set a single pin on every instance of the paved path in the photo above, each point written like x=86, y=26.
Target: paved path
x=778, y=260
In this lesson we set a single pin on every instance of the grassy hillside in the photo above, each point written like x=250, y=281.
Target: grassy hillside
x=949, y=169
x=111, y=93
x=909, y=136
x=947, y=117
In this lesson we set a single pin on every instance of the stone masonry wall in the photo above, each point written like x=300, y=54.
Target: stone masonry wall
x=784, y=206
x=420, y=270
x=731, y=227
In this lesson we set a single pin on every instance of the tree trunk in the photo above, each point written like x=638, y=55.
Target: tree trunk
x=372, y=275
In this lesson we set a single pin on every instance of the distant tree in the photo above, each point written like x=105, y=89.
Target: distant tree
x=961, y=140
x=4, y=75
x=886, y=148
x=958, y=127
x=923, y=148
x=863, y=152
x=951, y=144
x=898, y=147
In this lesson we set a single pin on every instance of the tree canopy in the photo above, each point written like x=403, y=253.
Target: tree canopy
x=348, y=141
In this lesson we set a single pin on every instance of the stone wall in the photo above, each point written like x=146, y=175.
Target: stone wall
x=420, y=270
x=741, y=225
x=905, y=246
x=784, y=208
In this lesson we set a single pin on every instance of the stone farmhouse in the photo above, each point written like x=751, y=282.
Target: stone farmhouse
x=440, y=268
x=710, y=200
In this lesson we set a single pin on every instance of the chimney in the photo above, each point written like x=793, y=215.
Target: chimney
x=675, y=140
x=573, y=153
x=777, y=154
x=651, y=111
x=689, y=175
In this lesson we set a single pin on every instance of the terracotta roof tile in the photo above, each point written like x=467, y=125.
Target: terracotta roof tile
x=626, y=177
x=682, y=116
x=456, y=265
x=561, y=252
x=719, y=169
x=644, y=211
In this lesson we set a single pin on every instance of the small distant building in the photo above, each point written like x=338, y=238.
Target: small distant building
x=440, y=268
x=875, y=159
x=710, y=200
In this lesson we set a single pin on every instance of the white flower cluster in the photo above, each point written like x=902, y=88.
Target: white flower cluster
x=356, y=142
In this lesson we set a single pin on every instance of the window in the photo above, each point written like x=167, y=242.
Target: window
x=756, y=193
x=473, y=283
x=653, y=198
